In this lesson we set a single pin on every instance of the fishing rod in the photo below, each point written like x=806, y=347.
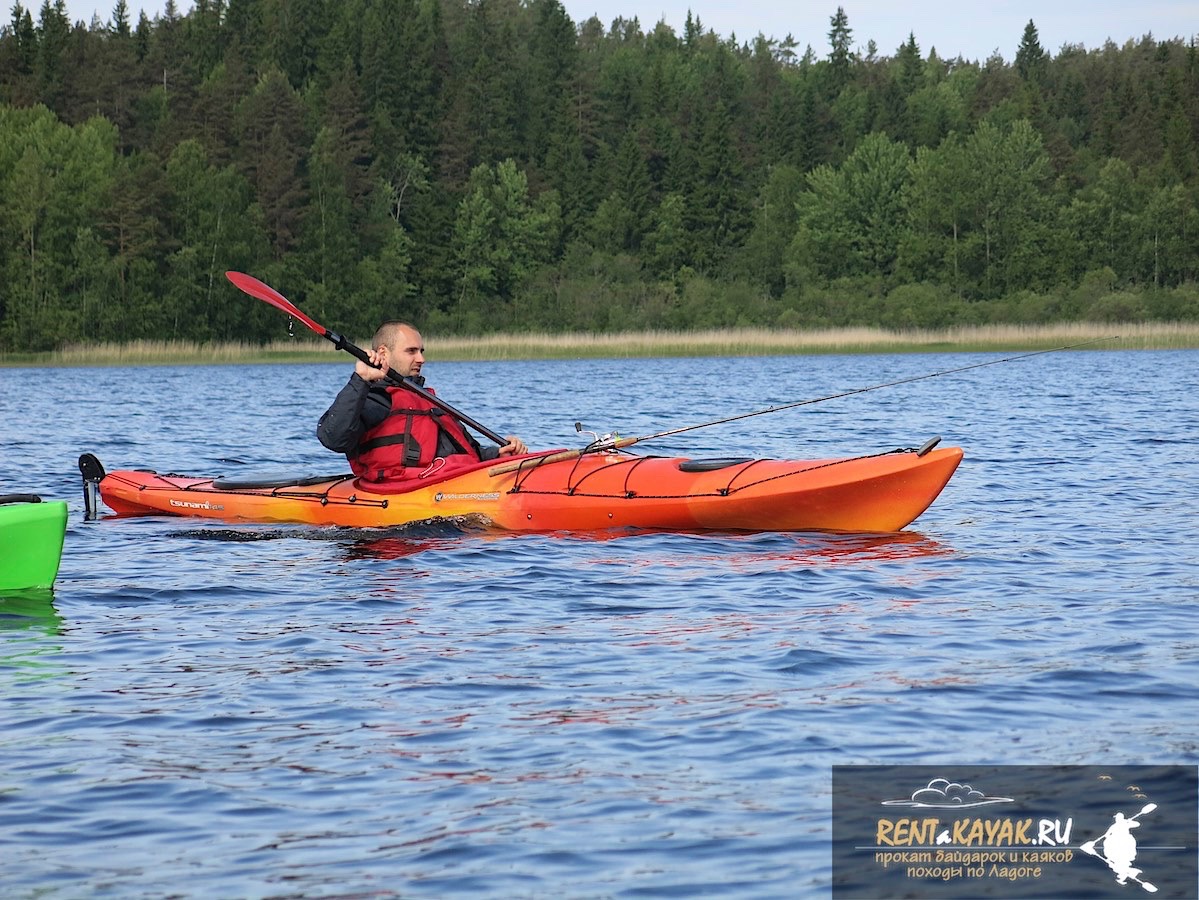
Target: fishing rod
x=873, y=387
x=615, y=442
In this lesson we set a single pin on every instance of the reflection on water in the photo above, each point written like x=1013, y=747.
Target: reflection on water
x=27, y=619
x=32, y=608
x=858, y=548
x=779, y=549
x=802, y=548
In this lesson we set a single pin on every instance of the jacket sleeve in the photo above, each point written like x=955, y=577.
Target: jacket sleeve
x=355, y=410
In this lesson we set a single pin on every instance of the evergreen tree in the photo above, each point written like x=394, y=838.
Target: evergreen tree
x=717, y=212
x=566, y=173
x=272, y=149
x=217, y=228
x=775, y=220
x=553, y=73
x=18, y=59
x=51, y=66
x=294, y=31
x=327, y=244
x=1031, y=61
x=136, y=240
x=840, y=38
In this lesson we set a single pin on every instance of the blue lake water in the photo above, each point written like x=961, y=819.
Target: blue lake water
x=234, y=710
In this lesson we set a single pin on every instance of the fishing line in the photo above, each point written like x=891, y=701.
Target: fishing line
x=873, y=387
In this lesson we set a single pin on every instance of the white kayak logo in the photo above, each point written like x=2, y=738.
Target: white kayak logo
x=191, y=504
x=1120, y=847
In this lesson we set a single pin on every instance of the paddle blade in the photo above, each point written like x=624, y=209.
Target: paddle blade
x=250, y=285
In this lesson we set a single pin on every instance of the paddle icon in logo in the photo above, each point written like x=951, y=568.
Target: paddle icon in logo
x=1120, y=847
x=941, y=793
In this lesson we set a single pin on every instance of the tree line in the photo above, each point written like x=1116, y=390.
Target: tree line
x=491, y=165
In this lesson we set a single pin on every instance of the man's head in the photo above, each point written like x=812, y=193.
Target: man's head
x=403, y=346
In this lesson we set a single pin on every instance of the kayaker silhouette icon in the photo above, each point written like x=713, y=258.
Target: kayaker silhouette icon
x=1120, y=848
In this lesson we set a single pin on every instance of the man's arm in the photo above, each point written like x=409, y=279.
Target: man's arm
x=514, y=447
x=354, y=411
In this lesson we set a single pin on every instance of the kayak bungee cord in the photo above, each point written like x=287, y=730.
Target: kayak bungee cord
x=615, y=442
x=740, y=470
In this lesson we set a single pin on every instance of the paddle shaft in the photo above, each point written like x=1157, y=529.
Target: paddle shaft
x=260, y=290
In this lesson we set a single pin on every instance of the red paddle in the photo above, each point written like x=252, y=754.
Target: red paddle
x=264, y=292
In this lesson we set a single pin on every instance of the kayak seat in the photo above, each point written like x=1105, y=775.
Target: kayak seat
x=263, y=480
x=711, y=465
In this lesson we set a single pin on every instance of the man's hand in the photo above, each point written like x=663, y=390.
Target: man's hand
x=514, y=447
x=377, y=368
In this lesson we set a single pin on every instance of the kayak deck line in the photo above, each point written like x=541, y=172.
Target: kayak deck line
x=189, y=484
x=727, y=490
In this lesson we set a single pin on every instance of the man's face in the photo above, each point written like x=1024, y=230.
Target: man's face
x=408, y=353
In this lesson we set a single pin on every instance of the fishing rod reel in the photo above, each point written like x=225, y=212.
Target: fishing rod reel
x=605, y=443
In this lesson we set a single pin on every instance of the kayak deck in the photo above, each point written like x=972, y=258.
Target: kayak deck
x=879, y=492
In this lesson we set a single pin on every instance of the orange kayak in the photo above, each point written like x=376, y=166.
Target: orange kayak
x=588, y=492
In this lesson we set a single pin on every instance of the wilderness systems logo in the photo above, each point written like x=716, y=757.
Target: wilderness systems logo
x=1014, y=831
x=489, y=496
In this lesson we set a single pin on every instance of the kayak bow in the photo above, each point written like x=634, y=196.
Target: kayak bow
x=31, y=538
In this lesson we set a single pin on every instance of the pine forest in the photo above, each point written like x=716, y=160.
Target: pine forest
x=491, y=166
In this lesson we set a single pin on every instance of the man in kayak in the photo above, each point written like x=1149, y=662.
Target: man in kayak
x=389, y=433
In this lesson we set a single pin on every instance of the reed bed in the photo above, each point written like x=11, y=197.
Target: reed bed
x=714, y=342
x=135, y=353
x=767, y=342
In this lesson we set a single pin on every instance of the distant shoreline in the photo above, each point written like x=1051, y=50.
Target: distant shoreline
x=724, y=343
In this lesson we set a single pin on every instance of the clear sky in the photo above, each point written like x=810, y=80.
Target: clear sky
x=973, y=30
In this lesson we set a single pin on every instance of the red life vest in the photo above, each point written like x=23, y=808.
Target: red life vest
x=405, y=443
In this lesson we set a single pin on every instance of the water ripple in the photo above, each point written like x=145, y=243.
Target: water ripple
x=241, y=710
